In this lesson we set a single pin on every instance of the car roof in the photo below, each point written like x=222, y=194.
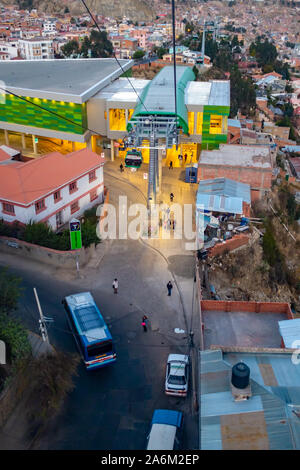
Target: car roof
x=161, y=437
x=178, y=358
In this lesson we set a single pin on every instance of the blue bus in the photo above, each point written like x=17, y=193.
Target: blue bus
x=89, y=329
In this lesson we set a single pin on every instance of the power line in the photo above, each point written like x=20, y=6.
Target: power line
x=119, y=63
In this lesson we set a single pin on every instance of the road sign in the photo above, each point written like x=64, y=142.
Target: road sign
x=75, y=234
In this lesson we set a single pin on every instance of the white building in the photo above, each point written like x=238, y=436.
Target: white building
x=8, y=49
x=36, y=49
x=49, y=26
x=52, y=189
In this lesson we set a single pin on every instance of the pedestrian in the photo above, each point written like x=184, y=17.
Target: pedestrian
x=171, y=165
x=144, y=324
x=121, y=168
x=173, y=224
x=185, y=157
x=169, y=287
x=171, y=197
x=115, y=285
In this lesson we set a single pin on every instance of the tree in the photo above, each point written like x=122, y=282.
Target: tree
x=139, y=54
x=196, y=72
x=70, y=48
x=9, y=291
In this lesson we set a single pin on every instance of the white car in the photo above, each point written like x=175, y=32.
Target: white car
x=177, y=375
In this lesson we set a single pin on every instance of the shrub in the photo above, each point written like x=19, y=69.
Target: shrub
x=10, y=291
x=13, y=333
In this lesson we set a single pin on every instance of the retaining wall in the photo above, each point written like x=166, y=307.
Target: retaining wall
x=235, y=242
x=244, y=306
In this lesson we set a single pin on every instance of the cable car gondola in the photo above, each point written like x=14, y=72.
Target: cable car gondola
x=133, y=158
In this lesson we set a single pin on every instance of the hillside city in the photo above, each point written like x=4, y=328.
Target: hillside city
x=149, y=227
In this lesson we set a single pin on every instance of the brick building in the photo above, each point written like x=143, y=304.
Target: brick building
x=251, y=164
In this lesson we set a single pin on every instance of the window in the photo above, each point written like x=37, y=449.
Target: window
x=40, y=206
x=93, y=195
x=57, y=196
x=73, y=187
x=215, y=124
x=92, y=176
x=74, y=207
x=8, y=208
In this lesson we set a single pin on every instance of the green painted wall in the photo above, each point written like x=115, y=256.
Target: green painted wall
x=17, y=111
x=212, y=141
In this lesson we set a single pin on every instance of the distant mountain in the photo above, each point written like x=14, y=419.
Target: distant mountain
x=136, y=10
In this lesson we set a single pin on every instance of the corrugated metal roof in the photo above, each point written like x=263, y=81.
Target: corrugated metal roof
x=290, y=331
x=268, y=420
x=222, y=195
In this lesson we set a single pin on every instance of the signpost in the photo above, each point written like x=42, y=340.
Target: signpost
x=75, y=238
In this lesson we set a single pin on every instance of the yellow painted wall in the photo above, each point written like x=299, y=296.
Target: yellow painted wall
x=191, y=120
x=117, y=120
x=199, y=123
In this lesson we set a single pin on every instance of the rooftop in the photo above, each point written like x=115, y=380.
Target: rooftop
x=268, y=420
x=213, y=93
x=222, y=195
x=246, y=324
x=27, y=182
x=71, y=80
x=121, y=91
x=257, y=156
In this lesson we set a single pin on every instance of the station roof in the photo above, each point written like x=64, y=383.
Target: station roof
x=121, y=92
x=158, y=97
x=269, y=420
x=71, y=80
x=213, y=93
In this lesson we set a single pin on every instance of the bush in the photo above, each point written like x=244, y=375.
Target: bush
x=13, y=333
x=10, y=291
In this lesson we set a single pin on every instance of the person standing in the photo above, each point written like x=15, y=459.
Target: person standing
x=169, y=287
x=171, y=197
x=115, y=285
x=144, y=325
x=171, y=165
x=185, y=157
x=121, y=168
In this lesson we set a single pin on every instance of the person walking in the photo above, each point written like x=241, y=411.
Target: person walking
x=115, y=285
x=185, y=157
x=144, y=324
x=171, y=165
x=121, y=168
x=169, y=287
x=171, y=197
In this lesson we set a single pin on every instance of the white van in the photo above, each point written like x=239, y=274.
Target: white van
x=166, y=429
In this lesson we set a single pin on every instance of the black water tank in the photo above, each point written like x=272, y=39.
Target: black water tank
x=240, y=375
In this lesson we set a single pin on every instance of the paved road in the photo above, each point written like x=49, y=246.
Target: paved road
x=112, y=408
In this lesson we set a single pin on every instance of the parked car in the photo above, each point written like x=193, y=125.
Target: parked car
x=166, y=430
x=177, y=375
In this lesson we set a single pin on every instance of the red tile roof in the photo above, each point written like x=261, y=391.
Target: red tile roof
x=27, y=182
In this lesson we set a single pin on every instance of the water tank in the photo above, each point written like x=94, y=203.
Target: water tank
x=240, y=375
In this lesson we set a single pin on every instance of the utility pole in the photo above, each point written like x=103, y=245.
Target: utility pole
x=42, y=320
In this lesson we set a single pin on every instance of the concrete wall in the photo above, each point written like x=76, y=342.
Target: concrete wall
x=60, y=259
